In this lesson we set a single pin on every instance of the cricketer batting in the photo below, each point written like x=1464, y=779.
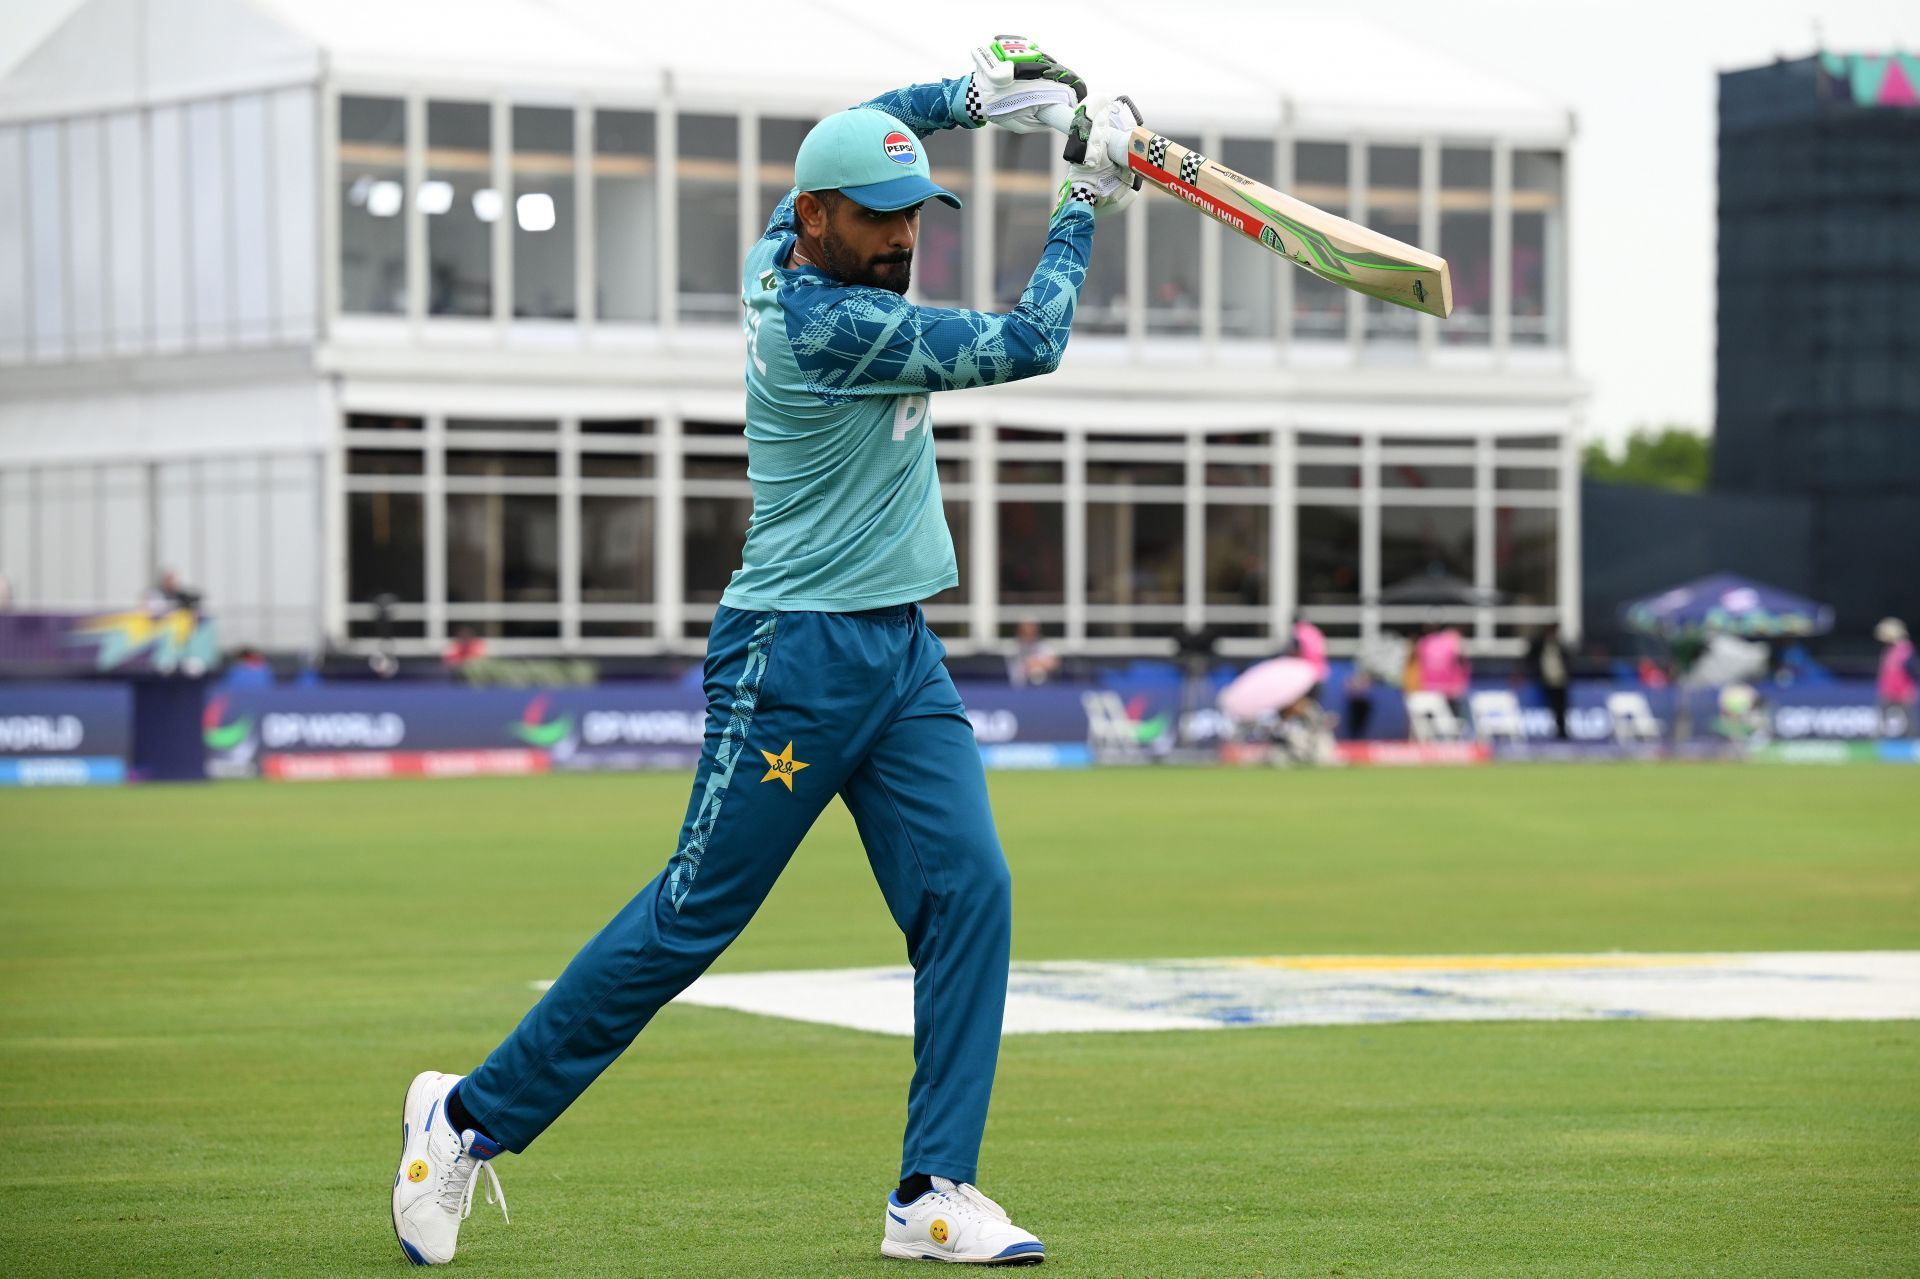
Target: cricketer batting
x=822, y=677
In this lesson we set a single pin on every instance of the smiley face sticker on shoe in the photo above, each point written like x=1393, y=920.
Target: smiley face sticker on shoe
x=938, y=1230
x=417, y=1171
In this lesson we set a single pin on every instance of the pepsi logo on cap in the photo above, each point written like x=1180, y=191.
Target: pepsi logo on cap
x=899, y=148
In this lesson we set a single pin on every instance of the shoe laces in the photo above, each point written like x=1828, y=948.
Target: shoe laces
x=465, y=1172
x=968, y=1195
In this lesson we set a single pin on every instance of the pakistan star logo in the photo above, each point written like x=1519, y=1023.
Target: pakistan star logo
x=782, y=766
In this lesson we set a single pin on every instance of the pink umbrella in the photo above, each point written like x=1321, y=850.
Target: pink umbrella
x=1268, y=687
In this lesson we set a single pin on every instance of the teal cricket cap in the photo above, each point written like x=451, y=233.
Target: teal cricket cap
x=869, y=157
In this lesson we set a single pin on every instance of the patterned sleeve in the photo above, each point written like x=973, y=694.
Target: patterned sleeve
x=857, y=342
x=929, y=108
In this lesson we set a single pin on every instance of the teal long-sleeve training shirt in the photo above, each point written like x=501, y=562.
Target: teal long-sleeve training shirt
x=846, y=498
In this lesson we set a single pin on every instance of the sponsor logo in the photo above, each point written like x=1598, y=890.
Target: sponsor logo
x=899, y=148
x=535, y=729
x=938, y=1230
x=286, y=730
x=1271, y=238
x=217, y=733
x=1206, y=204
x=643, y=728
x=36, y=734
x=417, y=1171
x=782, y=767
x=994, y=726
x=1222, y=171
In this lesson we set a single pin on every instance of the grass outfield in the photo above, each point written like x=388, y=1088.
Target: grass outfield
x=213, y=999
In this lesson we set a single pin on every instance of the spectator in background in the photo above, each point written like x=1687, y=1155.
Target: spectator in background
x=170, y=593
x=1034, y=661
x=1547, y=666
x=1899, y=681
x=1443, y=666
x=1359, y=703
x=248, y=669
x=465, y=646
x=1310, y=646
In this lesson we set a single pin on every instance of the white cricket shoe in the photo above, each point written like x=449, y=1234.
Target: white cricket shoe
x=955, y=1222
x=433, y=1190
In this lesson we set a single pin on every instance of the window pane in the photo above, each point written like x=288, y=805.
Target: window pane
x=1419, y=540
x=709, y=203
x=1173, y=268
x=543, y=213
x=211, y=236
x=1538, y=243
x=940, y=259
x=1466, y=241
x=1393, y=208
x=625, y=221
x=1320, y=178
x=460, y=205
x=373, y=242
x=1132, y=473
x=1033, y=564
x=501, y=464
x=780, y=140
x=1421, y=475
x=716, y=527
x=1526, y=555
x=1246, y=271
x=47, y=247
x=616, y=550
x=1237, y=555
x=1329, y=550
x=386, y=547
x=250, y=159
x=13, y=249
x=86, y=213
x=1134, y=553
x=502, y=548
x=1023, y=198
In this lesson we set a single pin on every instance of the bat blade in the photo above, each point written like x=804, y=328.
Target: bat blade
x=1345, y=253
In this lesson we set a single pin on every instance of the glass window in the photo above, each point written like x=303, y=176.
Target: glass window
x=126, y=211
x=941, y=261
x=709, y=204
x=1237, y=555
x=1526, y=555
x=373, y=174
x=1329, y=475
x=1173, y=267
x=386, y=547
x=86, y=216
x=1423, y=475
x=616, y=550
x=1329, y=554
x=616, y=466
x=1419, y=540
x=295, y=199
x=47, y=232
x=715, y=530
x=625, y=216
x=1246, y=271
x=1320, y=178
x=385, y=462
x=1033, y=553
x=502, y=548
x=211, y=235
x=1134, y=552
x=543, y=213
x=13, y=249
x=250, y=161
x=500, y=464
x=461, y=205
x=1135, y=473
x=1466, y=241
x=780, y=140
x=1537, y=479
x=1393, y=208
x=1538, y=244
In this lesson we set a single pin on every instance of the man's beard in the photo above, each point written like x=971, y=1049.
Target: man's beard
x=890, y=271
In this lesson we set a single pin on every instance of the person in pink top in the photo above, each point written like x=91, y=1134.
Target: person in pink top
x=1899, y=682
x=1443, y=664
x=1310, y=646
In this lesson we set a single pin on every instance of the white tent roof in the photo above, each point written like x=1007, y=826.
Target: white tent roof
x=1240, y=64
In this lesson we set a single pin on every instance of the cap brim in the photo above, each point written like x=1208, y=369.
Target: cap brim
x=899, y=193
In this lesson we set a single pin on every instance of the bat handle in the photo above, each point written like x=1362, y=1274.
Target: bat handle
x=1061, y=119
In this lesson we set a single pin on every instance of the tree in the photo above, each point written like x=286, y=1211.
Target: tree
x=1674, y=458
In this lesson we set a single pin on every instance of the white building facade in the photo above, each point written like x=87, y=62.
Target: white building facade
x=347, y=310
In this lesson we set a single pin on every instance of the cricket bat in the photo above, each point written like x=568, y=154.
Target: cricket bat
x=1348, y=254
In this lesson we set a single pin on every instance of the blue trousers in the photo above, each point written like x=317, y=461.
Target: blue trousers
x=801, y=707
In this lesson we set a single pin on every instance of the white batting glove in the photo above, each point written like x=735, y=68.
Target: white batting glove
x=1103, y=125
x=1013, y=82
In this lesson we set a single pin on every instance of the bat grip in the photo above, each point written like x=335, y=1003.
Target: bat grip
x=1060, y=118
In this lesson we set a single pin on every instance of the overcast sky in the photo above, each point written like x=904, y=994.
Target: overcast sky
x=1639, y=75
